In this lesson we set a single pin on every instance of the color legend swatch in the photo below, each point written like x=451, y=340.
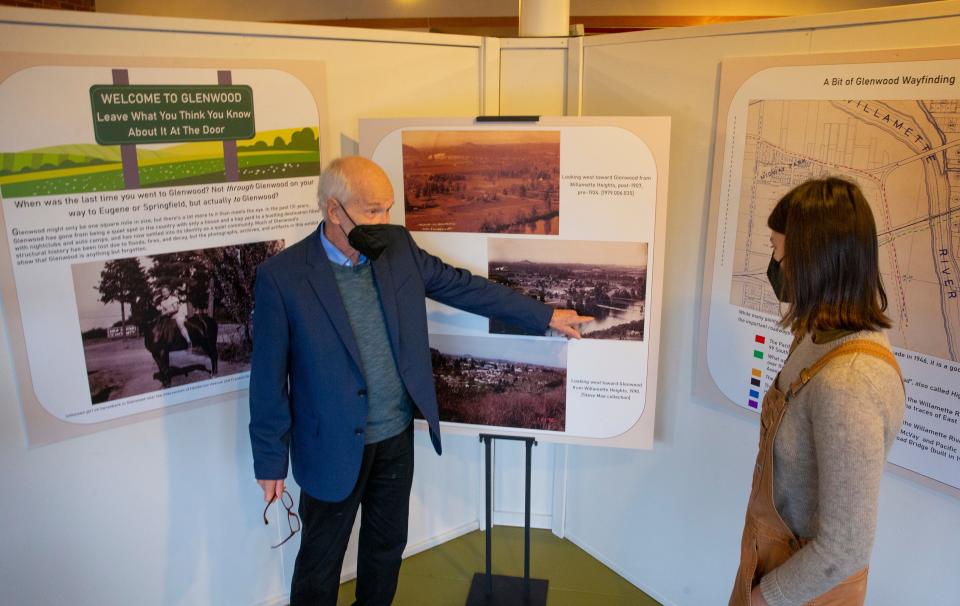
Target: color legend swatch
x=753, y=401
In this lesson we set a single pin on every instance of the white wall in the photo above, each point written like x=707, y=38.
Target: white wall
x=166, y=511
x=679, y=508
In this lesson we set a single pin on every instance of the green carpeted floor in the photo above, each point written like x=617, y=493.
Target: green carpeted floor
x=441, y=576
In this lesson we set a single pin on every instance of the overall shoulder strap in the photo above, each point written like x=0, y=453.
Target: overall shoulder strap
x=861, y=346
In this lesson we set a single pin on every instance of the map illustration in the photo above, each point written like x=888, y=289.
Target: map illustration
x=905, y=156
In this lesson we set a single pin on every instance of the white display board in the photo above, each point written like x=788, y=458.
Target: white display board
x=567, y=210
x=133, y=191
x=889, y=121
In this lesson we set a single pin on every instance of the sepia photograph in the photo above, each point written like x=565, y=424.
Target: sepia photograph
x=605, y=280
x=482, y=181
x=160, y=321
x=501, y=382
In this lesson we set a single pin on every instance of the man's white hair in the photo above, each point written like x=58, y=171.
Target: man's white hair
x=333, y=184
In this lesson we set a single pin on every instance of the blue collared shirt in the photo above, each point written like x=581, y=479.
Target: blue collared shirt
x=335, y=255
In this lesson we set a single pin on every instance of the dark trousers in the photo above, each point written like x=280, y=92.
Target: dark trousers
x=383, y=489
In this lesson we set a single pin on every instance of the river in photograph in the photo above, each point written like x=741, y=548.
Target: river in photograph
x=632, y=313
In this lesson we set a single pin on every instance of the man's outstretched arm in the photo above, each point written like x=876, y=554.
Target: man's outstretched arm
x=460, y=288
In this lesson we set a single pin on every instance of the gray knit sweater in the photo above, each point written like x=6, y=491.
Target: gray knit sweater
x=828, y=458
x=390, y=409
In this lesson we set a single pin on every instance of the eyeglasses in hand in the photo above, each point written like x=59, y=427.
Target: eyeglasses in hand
x=292, y=519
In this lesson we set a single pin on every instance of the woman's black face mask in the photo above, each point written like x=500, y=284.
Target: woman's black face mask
x=368, y=240
x=775, y=275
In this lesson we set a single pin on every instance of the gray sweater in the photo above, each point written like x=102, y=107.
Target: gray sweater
x=828, y=459
x=390, y=409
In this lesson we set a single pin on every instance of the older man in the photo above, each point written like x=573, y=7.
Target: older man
x=340, y=360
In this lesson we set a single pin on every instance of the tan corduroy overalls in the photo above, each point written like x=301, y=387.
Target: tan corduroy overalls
x=767, y=541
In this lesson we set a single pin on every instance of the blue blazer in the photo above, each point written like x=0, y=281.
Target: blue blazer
x=308, y=396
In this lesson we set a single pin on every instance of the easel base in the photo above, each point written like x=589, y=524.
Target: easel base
x=507, y=591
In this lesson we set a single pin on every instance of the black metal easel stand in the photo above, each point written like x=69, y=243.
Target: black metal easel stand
x=488, y=589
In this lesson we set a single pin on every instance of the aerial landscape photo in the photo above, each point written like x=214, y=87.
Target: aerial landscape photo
x=605, y=280
x=482, y=181
x=506, y=382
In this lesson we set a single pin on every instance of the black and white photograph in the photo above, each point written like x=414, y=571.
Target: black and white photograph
x=160, y=321
x=605, y=280
x=499, y=381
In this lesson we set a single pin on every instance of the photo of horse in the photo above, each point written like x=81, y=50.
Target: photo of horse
x=162, y=321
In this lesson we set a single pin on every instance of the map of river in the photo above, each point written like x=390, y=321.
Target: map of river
x=905, y=156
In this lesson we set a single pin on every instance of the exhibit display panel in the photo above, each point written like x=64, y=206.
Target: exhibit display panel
x=135, y=211
x=890, y=122
x=569, y=211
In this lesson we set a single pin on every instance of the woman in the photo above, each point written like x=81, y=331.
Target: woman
x=830, y=417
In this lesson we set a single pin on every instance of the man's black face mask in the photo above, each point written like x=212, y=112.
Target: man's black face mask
x=775, y=275
x=368, y=240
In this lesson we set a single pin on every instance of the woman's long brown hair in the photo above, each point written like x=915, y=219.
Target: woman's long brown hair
x=831, y=258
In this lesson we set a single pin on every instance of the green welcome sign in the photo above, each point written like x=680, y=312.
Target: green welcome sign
x=135, y=114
